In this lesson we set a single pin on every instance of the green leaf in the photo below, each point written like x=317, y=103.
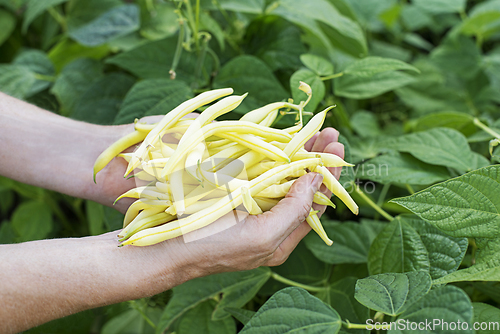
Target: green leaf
x=365, y=124
x=74, y=80
x=81, y=12
x=444, y=251
x=317, y=64
x=242, y=315
x=438, y=146
x=401, y=168
x=67, y=51
x=95, y=217
x=152, y=97
x=250, y=74
x=154, y=60
x=485, y=271
x=447, y=304
x=116, y=22
x=211, y=25
x=317, y=86
x=16, y=80
x=351, y=241
x=237, y=289
x=447, y=119
x=34, y=8
x=458, y=55
x=441, y=6
x=7, y=233
x=32, y=221
x=101, y=102
x=397, y=248
x=487, y=249
x=465, y=206
x=341, y=297
x=392, y=293
x=356, y=87
x=276, y=41
x=483, y=24
x=486, y=316
x=198, y=320
x=161, y=22
x=370, y=66
x=293, y=310
x=250, y=6
x=38, y=63
x=322, y=19
x=7, y=25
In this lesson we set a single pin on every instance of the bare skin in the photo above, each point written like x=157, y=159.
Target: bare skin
x=48, y=279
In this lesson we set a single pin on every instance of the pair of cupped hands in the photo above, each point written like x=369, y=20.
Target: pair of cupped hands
x=256, y=240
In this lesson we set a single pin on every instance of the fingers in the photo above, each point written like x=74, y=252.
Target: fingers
x=291, y=211
x=288, y=245
x=337, y=149
x=327, y=136
x=309, y=144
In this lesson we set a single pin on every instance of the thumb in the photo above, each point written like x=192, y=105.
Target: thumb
x=292, y=210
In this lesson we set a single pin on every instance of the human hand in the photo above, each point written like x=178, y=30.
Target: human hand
x=255, y=240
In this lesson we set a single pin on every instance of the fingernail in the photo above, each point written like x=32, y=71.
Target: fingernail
x=317, y=181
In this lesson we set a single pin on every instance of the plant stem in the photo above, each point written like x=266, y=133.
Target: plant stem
x=58, y=17
x=485, y=128
x=362, y=326
x=178, y=49
x=333, y=76
x=44, y=77
x=381, y=197
x=410, y=189
x=309, y=288
x=144, y=316
x=372, y=203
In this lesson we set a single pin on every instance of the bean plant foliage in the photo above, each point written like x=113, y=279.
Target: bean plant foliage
x=415, y=84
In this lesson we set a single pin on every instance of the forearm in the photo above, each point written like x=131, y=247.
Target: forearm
x=49, y=279
x=50, y=151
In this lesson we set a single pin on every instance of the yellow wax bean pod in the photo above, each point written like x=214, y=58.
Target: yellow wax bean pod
x=144, y=127
x=156, y=163
x=336, y=188
x=144, y=214
x=193, y=159
x=171, y=118
x=260, y=114
x=270, y=118
x=222, y=158
x=126, y=156
x=152, y=171
x=315, y=223
x=151, y=221
x=177, y=191
x=167, y=190
x=266, y=204
x=276, y=190
x=218, y=144
x=194, y=196
x=116, y=148
x=200, y=205
x=322, y=199
x=221, y=128
x=139, y=205
x=259, y=145
x=328, y=159
x=301, y=137
x=150, y=192
x=260, y=168
x=293, y=129
x=143, y=176
x=249, y=203
x=166, y=150
x=222, y=107
x=223, y=206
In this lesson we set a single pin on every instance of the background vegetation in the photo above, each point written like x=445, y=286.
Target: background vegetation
x=416, y=87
